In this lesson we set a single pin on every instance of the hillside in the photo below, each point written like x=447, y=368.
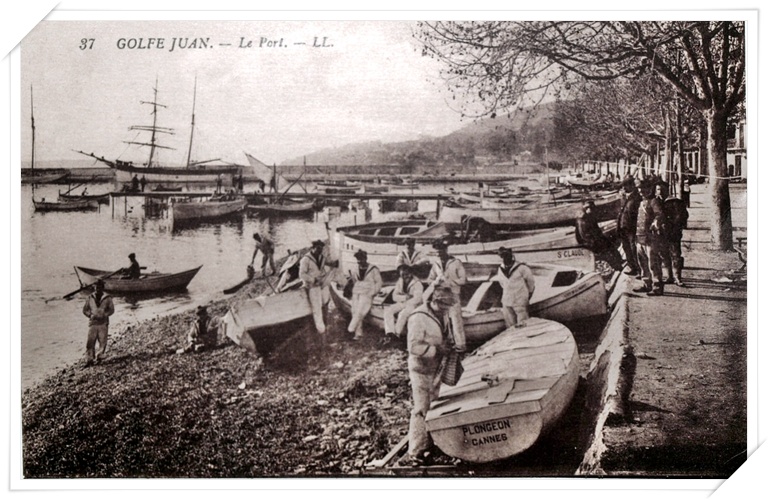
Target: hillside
x=483, y=142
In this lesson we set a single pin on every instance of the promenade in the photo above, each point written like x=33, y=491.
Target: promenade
x=680, y=408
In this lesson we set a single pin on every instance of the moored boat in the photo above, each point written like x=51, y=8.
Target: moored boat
x=98, y=198
x=562, y=294
x=390, y=205
x=514, y=389
x=216, y=206
x=32, y=176
x=384, y=240
x=285, y=207
x=64, y=206
x=606, y=208
x=147, y=283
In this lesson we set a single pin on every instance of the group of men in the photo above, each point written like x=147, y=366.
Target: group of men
x=650, y=227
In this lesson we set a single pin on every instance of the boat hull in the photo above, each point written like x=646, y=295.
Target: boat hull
x=207, y=175
x=286, y=209
x=561, y=294
x=65, y=206
x=533, y=373
x=195, y=210
x=148, y=283
x=564, y=214
x=42, y=178
x=550, y=246
x=246, y=322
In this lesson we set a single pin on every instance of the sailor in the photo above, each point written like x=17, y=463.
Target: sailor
x=143, y=183
x=202, y=332
x=410, y=256
x=517, y=286
x=134, y=270
x=449, y=272
x=366, y=283
x=428, y=331
x=98, y=308
x=267, y=248
x=316, y=274
x=407, y=295
x=135, y=183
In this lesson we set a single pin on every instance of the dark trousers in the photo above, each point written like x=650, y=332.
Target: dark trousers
x=629, y=244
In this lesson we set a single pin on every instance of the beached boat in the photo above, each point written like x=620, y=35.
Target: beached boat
x=192, y=171
x=284, y=207
x=562, y=294
x=384, y=240
x=64, y=206
x=606, y=208
x=514, y=389
x=183, y=210
x=398, y=183
x=147, y=283
x=248, y=322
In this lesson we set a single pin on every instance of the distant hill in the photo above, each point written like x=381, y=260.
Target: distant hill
x=484, y=142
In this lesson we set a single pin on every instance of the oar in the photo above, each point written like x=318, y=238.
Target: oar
x=72, y=294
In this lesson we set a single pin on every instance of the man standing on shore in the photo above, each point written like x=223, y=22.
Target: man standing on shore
x=589, y=234
x=627, y=224
x=316, y=275
x=98, y=308
x=428, y=332
x=267, y=251
x=650, y=236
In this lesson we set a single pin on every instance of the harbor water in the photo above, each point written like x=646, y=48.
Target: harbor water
x=53, y=330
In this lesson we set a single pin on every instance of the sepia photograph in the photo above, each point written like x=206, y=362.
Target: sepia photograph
x=266, y=247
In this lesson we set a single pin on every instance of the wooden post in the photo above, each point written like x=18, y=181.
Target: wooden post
x=437, y=214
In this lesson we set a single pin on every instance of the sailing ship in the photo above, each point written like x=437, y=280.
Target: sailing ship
x=152, y=171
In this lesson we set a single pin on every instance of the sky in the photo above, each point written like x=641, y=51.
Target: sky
x=368, y=83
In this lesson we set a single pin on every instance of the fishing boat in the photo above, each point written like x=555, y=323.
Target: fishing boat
x=398, y=183
x=284, y=207
x=383, y=241
x=148, y=282
x=606, y=208
x=166, y=189
x=102, y=199
x=562, y=294
x=65, y=206
x=513, y=391
x=34, y=175
x=246, y=323
x=218, y=205
x=339, y=187
x=152, y=171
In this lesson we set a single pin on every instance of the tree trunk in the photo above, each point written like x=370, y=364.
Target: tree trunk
x=703, y=166
x=669, y=152
x=721, y=235
x=680, y=154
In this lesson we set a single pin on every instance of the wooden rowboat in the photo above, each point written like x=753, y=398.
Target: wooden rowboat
x=147, y=283
x=285, y=208
x=606, y=208
x=98, y=198
x=245, y=323
x=216, y=206
x=513, y=391
x=65, y=206
x=562, y=294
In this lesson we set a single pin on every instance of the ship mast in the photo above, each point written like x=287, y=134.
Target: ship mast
x=154, y=129
x=192, y=131
x=32, y=106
